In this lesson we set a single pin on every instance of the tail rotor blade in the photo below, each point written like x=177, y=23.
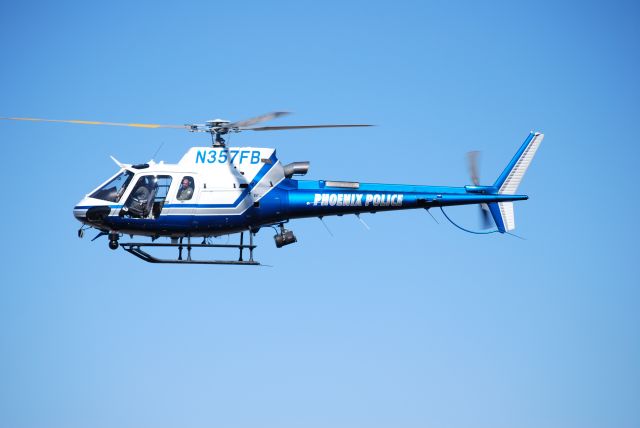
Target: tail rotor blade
x=485, y=217
x=472, y=158
x=485, y=214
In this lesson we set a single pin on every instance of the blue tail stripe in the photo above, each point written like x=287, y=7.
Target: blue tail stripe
x=500, y=181
x=497, y=216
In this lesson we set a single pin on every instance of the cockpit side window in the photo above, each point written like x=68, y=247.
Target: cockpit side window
x=114, y=189
x=185, y=191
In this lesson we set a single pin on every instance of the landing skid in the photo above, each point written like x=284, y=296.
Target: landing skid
x=136, y=248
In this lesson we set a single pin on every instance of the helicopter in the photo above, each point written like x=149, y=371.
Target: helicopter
x=217, y=190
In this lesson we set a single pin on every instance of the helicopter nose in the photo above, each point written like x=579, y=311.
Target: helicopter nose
x=80, y=213
x=90, y=213
x=97, y=214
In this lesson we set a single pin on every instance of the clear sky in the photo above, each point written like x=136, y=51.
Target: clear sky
x=412, y=323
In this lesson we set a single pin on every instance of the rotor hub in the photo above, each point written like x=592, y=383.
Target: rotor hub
x=216, y=123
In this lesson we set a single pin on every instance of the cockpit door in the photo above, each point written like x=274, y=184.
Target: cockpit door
x=147, y=198
x=182, y=201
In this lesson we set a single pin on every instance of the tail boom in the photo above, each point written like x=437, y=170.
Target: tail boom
x=368, y=197
x=308, y=198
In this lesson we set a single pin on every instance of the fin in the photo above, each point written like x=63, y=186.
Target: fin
x=509, y=181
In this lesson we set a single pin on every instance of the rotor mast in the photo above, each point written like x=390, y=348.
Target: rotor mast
x=216, y=127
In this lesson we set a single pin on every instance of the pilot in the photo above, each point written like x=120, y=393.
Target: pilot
x=143, y=191
x=141, y=200
x=185, y=192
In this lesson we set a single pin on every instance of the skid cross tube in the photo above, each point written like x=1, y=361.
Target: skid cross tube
x=136, y=248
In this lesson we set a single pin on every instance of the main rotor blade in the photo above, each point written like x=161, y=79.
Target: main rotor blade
x=472, y=158
x=258, y=119
x=92, y=122
x=282, y=128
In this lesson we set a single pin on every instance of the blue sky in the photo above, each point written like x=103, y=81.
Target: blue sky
x=409, y=324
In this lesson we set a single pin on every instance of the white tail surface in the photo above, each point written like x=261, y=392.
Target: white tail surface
x=510, y=185
x=508, y=218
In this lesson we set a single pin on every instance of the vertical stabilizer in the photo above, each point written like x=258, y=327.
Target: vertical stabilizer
x=509, y=181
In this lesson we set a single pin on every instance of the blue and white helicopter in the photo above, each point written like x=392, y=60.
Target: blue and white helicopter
x=219, y=190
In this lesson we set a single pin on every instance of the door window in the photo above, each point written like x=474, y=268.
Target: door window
x=185, y=191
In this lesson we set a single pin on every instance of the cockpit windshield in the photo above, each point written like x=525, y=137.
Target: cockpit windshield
x=114, y=189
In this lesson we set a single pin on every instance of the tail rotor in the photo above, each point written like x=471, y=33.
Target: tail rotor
x=485, y=214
